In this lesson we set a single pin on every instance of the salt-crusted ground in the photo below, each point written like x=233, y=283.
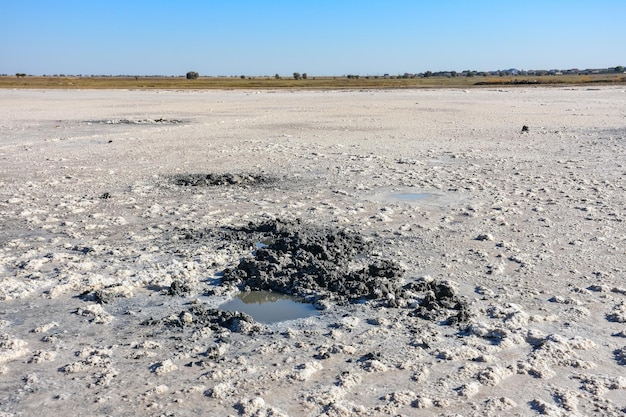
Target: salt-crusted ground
x=112, y=254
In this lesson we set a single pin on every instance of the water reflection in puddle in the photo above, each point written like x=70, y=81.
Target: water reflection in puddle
x=269, y=307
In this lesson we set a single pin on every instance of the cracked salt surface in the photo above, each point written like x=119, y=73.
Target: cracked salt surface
x=111, y=270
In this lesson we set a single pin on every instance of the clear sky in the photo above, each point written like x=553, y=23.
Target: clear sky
x=325, y=37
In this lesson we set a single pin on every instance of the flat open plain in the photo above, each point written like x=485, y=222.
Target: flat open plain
x=461, y=265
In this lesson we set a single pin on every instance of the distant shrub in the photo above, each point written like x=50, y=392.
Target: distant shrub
x=192, y=75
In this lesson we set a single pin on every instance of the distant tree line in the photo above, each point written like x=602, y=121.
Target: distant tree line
x=508, y=72
x=192, y=75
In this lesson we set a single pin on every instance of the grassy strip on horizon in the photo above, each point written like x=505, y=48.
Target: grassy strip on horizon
x=201, y=83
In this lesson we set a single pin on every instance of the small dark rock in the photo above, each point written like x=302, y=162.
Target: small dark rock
x=179, y=288
x=322, y=355
x=151, y=322
x=441, y=303
x=370, y=356
x=102, y=297
x=620, y=355
x=215, y=319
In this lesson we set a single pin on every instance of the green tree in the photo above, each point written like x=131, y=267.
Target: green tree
x=192, y=75
x=619, y=68
x=296, y=76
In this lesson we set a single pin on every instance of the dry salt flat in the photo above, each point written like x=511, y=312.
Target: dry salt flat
x=459, y=266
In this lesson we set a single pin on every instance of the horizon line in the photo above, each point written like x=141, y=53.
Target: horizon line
x=510, y=71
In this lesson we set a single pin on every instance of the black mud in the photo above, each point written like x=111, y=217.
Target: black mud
x=324, y=265
x=211, y=180
x=440, y=303
x=337, y=265
x=198, y=316
x=159, y=121
x=180, y=288
x=306, y=261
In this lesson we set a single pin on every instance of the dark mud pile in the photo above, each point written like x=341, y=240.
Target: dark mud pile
x=209, y=180
x=294, y=259
x=324, y=265
x=198, y=316
x=336, y=265
x=159, y=121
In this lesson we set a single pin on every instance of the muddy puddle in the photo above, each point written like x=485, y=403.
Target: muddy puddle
x=410, y=196
x=431, y=198
x=270, y=307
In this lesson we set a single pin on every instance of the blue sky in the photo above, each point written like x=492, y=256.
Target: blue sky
x=331, y=37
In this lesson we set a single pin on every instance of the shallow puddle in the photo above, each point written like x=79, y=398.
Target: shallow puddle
x=410, y=196
x=406, y=195
x=270, y=307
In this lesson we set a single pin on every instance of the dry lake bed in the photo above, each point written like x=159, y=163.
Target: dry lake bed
x=422, y=252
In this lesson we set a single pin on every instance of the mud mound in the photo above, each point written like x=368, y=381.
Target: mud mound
x=208, y=180
x=306, y=261
x=334, y=264
x=198, y=316
x=440, y=303
x=214, y=318
x=159, y=121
